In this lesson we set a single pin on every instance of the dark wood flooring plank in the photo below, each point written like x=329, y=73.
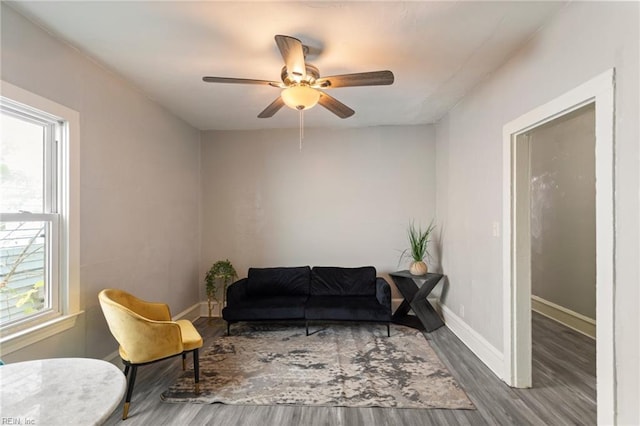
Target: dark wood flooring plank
x=564, y=371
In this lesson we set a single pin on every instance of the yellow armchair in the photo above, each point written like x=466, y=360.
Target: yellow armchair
x=147, y=334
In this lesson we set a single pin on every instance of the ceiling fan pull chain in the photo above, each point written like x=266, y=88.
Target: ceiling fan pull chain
x=301, y=127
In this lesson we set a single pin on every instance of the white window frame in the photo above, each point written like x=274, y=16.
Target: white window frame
x=66, y=303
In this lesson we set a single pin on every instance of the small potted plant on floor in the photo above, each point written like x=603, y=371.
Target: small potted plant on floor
x=418, y=248
x=221, y=271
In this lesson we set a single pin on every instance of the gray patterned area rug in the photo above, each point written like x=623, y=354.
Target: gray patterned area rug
x=348, y=365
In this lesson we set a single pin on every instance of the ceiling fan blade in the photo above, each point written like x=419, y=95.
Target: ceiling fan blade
x=272, y=108
x=293, y=54
x=241, y=81
x=373, y=78
x=335, y=106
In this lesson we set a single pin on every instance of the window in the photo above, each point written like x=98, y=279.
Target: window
x=38, y=239
x=30, y=222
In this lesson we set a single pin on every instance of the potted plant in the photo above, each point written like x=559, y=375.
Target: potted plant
x=222, y=271
x=418, y=248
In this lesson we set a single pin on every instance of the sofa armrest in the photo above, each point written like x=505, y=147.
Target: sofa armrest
x=383, y=292
x=237, y=292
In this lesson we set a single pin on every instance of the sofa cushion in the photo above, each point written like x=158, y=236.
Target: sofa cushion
x=333, y=281
x=267, y=282
x=270, y=308
x=349, y=308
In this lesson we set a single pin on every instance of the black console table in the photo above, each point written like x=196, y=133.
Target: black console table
x=415, y=298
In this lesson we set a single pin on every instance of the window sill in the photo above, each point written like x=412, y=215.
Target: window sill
x=37, y=333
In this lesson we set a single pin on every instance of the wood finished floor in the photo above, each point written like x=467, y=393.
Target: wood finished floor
x=563, y=393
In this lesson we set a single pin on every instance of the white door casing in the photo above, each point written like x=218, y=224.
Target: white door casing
x=516, y=237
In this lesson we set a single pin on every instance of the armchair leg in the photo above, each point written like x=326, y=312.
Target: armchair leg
x=196, y=370
x=127, y=401
x=388, y=330
x=306, y=324
x=228, y=328
x=184, y=361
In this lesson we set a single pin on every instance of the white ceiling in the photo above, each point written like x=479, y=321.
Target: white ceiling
x=438, y=51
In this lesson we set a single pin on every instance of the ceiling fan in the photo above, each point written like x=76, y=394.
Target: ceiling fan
x=302, y=83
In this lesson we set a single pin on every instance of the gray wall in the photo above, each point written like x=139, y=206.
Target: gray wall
x=346, y=199
x=583, y=41
x=140, y=179
x=563, y=212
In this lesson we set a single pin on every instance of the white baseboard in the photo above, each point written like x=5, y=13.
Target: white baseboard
x=192, y=313
x=395, y=303
x=484, y=350
x=575, y=321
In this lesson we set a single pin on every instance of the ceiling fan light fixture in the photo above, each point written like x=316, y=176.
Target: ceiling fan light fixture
x=300, y=97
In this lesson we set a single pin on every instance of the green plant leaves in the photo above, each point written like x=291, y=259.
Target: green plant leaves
x=418, y=242
x=221, y=270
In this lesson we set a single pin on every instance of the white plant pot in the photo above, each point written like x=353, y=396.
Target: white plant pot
x=418, y=268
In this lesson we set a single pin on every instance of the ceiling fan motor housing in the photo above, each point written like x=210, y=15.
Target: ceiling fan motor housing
x=291, y=80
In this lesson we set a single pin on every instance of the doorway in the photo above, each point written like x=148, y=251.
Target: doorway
x=517, y=273
x=563, y=219
x=563, y=259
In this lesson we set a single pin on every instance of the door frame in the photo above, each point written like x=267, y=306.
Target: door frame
x=516, y=237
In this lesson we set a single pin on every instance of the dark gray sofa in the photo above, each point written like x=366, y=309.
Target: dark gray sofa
x=302, y=293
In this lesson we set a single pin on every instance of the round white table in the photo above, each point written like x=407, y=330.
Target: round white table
x=60, y=391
